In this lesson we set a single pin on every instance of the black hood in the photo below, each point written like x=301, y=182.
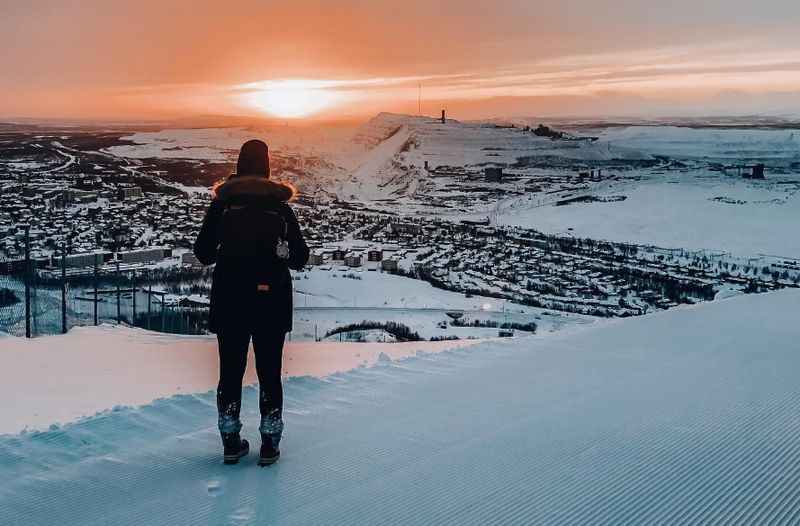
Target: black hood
x=253, y=159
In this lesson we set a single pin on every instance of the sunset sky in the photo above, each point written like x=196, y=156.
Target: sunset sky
x=151, y=59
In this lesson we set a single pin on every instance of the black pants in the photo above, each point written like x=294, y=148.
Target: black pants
x=233, y=346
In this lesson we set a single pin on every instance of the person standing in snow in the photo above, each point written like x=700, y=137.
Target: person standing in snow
x=253, y=236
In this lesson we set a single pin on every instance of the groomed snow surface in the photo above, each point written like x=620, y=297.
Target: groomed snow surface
x=683, y=417
x=58, y=379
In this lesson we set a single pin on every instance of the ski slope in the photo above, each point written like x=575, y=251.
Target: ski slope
x=375, y=176
x=682, y=417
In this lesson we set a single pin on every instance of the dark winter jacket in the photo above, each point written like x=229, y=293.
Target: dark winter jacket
x=252, y=288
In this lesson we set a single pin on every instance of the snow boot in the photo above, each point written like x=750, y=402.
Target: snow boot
x=269, y=454
x=271, y=430
x=235, y=448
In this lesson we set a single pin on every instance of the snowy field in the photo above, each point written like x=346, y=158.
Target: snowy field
x=704, y=143
x=682, y=417
x=324, y=300
x=223, y=143
x=687, y=210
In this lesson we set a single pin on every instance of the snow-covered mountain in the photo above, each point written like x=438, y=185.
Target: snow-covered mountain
x=675, y=186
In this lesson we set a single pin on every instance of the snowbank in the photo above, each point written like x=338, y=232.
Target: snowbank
x=57, y=379
x=682, y=417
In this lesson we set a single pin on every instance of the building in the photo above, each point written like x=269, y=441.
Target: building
x=89, y=259
x=74, y=195
x=17, y=266
x=129, y=192
x=493, y=174
x=190, y=260
x=338, y=255
x=375, y=255
x=353, y=260
x=147, y=255
x=752, y=172
x=389, y=265
x=315, y=258
x=193, y=302
x=405, y=228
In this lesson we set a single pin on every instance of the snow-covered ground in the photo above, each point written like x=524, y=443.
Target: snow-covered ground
x=686, y=205
x=690, y=207
x=324, y=300
x=687, y=210
x=682, y=417
x=704, y=143
x=92, y=369
x=223, y=143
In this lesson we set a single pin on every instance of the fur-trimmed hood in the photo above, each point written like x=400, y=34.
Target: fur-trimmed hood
x=254, y=187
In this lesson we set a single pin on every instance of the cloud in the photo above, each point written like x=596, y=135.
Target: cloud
x=176, y=57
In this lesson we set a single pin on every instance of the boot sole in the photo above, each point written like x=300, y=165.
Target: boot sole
x=268, y=461
x=234, y=459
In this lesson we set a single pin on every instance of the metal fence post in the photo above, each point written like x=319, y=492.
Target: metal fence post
x=28, y=281
x=95, y=289
x=64, y=289
x=119, y=310
x=133, y=291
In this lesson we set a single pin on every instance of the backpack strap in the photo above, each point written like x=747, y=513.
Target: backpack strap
x=282, y=219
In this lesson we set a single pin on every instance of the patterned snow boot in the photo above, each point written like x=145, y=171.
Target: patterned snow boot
x=234, y=446
x=271, y=430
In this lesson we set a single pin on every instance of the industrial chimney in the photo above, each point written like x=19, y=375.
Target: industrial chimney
x=443, y=120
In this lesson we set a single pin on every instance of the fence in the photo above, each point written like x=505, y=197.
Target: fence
x=39, y=298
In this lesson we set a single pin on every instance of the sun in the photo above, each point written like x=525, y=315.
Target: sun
x=291, y=99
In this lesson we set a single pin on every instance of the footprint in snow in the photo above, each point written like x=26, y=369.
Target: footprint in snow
x=214, y=488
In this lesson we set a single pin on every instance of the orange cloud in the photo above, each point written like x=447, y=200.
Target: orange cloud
x=167, y=58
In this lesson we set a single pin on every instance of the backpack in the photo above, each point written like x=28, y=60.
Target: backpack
x=250, y=232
